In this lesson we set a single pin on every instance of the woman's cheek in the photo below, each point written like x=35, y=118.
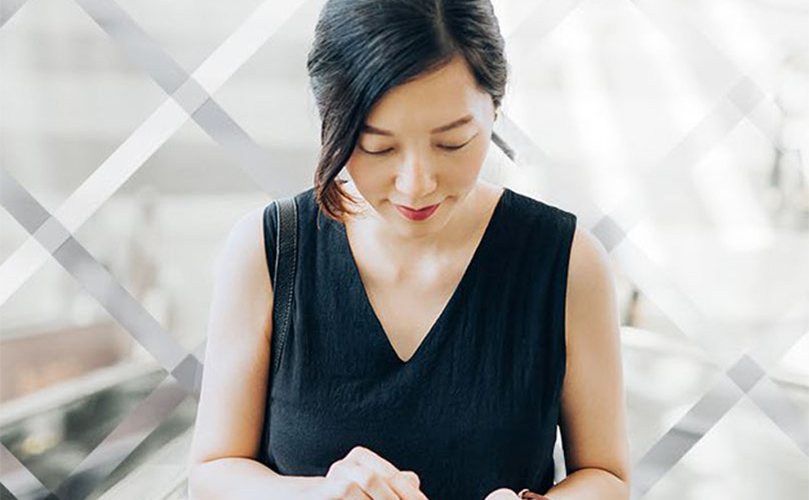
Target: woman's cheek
x=365, y=172
x=469, y=165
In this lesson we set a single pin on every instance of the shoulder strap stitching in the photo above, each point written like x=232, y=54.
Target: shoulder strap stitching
x=287, y=211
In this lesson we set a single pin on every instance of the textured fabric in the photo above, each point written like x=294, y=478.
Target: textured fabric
x=476, y=406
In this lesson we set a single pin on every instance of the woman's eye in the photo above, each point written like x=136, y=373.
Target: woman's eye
x=447, y=147
x=382, y=152
x=453, y=147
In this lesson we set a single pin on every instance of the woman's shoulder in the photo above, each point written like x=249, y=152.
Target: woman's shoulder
x=250, y=246
x=244, y=246
x=540, y=216
x=305, y=206
x=304, y=199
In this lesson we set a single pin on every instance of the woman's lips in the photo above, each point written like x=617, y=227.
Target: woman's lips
x=417, y=214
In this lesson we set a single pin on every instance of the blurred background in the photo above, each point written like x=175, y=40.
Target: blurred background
x=133, y=135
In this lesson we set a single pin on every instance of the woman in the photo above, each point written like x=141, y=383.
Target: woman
x=442, y=326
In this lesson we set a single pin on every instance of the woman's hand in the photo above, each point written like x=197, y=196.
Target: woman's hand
x=503, y=494
x=364, y=475
x=507, y=494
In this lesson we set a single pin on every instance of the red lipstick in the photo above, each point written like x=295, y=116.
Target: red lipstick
x=417, y=215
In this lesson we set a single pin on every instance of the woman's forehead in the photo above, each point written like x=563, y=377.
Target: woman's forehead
x=430, y=101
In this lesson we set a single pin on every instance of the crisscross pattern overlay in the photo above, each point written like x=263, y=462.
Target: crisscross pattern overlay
x=745, y=371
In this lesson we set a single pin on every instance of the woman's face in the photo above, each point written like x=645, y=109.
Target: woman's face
x=423, y=144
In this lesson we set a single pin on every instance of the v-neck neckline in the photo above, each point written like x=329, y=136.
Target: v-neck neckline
x=451, y=303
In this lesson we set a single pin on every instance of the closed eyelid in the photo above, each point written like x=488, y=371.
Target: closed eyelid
x=468, y=140
x=443, y=146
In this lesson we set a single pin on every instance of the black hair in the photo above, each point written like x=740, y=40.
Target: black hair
x=364, y=48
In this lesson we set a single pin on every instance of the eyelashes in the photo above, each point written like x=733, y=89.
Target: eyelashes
x=452, y=148
x=442, y=146
x=377, y=153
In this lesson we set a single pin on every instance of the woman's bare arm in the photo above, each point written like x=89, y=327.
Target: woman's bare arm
x=593, y=409
x=222, y=463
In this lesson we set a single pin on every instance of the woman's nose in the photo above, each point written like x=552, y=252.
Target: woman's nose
x=415, y=179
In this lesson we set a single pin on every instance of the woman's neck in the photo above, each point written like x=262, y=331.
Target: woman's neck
x=372, y=236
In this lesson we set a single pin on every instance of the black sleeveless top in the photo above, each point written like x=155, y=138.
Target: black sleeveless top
x=476, y=406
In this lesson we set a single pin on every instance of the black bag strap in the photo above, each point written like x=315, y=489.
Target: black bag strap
x=283, y=275
x=286, y=241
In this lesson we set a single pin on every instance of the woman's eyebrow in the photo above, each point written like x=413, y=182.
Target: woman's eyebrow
x=368, y=129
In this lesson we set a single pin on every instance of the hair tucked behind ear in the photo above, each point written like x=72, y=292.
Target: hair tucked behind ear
x=363, y=48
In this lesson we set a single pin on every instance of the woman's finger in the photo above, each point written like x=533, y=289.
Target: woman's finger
x=372, y=460
x=402, y=484
x=371, y=483
x=407, y=487
x=412, y=477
